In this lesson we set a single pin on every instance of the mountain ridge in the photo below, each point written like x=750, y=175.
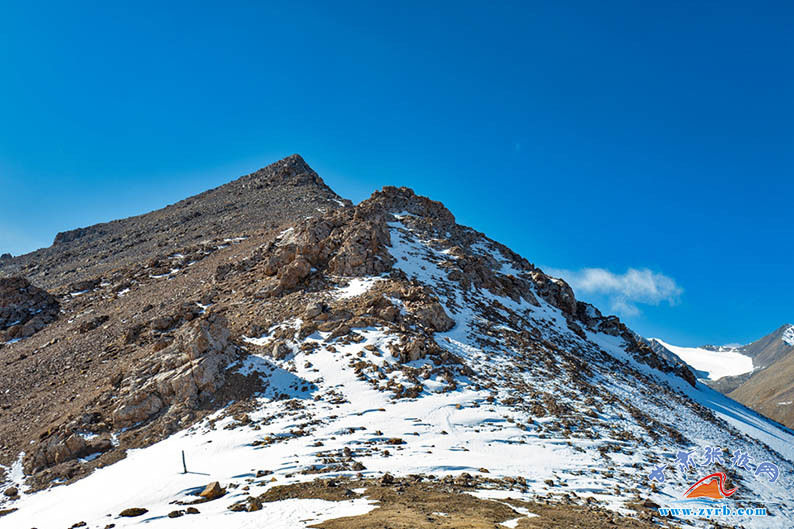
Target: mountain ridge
x=381, y=341
x=273, y=194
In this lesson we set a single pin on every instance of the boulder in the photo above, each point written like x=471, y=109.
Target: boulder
x=280, y=350
x=59, y=445
x=434, y=316
x=212, y=491
x=293, y=273
x=133, y=511
x=138, y=407
x=163, y=323
x=250, y=504
x=85, y=285
x=24, y=308
x=414, y=349
x=312, y=310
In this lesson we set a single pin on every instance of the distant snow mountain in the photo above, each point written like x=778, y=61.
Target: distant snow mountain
x=770, y=388
x=759, y=374
x=712, y=363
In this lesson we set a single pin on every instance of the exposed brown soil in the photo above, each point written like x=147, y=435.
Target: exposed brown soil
x=418, y=502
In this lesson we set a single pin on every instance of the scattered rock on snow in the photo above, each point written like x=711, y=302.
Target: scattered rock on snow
x=11, y=492
x=133, y=511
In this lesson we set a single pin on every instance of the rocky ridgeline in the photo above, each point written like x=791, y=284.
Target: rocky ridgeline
x=353, y=242
x=281, y=192
x=24, y=308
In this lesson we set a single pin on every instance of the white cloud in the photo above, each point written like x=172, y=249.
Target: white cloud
x=624, y=291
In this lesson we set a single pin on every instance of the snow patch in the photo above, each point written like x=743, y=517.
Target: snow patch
x=788, y=335
x=356, y=287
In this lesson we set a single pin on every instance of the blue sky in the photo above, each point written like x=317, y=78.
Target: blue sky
x=643, y=150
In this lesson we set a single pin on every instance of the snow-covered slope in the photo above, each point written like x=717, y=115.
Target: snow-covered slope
x=523, y=383
x=716, y=363
x=788, y=335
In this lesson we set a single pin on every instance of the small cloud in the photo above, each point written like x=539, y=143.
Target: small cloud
x=624, y=291
x=623, y=307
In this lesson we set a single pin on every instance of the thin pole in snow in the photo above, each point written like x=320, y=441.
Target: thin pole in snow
x=184, y=466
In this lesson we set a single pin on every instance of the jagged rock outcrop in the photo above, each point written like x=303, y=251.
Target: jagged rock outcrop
x=80, y=437
x=349, y=241
x=593, y=320
x=182, y=375
x=171, y=382
x=70, y=235
x=24, y=308
x=355, y=242
x=62, y=447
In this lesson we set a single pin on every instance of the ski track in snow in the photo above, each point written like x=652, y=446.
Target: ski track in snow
x=445, y=433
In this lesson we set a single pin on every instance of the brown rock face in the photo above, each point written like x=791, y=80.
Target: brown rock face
x=555, y=291
x=296, y=271
x=24, y=308
x=184, y=373
x=403, y=199
x=434, y=316
x=137, y=408
x=341, y=244
x=68, y=442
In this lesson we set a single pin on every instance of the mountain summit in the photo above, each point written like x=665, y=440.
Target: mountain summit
x=282, y=191
x=332, y=365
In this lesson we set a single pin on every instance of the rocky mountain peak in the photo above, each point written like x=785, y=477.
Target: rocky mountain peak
x=396, y=224
x=292, y=170
x=404, y=201
x=772, y=347
x=279, y=193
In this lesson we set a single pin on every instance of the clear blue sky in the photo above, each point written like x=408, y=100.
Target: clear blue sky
x=614, y=136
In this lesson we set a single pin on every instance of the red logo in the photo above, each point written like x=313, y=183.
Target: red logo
x=712, y=486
